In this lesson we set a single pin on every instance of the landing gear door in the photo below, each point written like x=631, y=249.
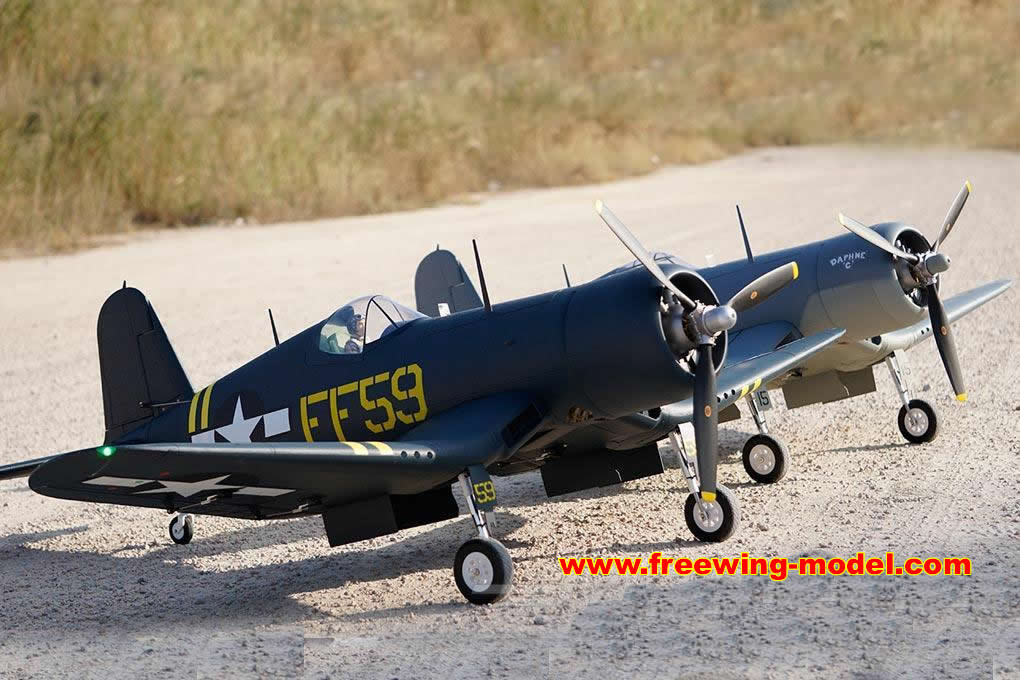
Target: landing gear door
x=762, y=400
x=482, y=488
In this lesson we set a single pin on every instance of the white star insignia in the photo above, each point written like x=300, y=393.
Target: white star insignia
x=189, y=489
x=241, y=428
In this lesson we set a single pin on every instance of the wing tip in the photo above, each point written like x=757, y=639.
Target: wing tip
x=796, y=270
x=599, y=205
x=962, y=396
x=970, y=187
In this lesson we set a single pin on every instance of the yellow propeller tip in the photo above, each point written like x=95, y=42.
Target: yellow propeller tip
x=970, y=187
x=961, y=397
x=796, y=270
x=707, y=496
x=598, y=206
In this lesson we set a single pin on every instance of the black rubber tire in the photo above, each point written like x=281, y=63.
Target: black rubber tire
x=731, y=516
x=778, y=449
x=186, y=534
x=502, y=570
x=933, y=422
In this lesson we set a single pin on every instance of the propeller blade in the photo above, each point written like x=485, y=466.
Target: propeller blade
x=634, y=246
x=706, y=421
x=953, y=214
x=875, y=239
x=943, y=333
x=764, y=287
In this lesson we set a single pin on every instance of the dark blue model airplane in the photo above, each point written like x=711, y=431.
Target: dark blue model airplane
x=370, y=417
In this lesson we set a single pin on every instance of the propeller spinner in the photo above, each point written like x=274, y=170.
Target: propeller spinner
x=924, y=269
x=693, y=326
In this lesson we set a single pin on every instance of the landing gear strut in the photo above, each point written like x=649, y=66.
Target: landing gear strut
x=765, y=457
x=182, y=529
x=482, y=569
x=711, y=521
x=917, y=419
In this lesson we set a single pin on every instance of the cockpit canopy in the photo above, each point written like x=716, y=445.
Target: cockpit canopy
x=362, y=322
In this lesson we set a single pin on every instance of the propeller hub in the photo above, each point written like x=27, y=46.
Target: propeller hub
x=936, y=263
x=719, y=319
x=703, y=323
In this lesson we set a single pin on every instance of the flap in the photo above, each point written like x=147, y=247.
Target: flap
x=756, y=340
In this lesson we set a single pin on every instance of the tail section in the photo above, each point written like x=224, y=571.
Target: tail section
x=441, y=286
x=138, y=366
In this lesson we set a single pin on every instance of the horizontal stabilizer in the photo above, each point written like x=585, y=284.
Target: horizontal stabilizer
x=22, y=469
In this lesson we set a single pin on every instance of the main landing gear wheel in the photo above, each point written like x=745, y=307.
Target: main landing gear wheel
x=718, y=520
x=918, y=421
x=182, y=529
x=483, y=571
x=765, y=459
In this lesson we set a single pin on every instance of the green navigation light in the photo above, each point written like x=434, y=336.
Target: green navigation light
x=106, y=451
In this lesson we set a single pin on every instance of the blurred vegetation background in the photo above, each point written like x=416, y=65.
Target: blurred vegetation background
x=120, y=113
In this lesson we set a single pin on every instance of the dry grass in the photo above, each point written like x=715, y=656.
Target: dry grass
x=115, y=113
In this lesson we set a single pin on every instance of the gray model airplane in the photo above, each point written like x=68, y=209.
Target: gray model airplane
x=859, y=299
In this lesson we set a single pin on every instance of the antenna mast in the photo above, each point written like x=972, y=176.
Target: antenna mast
x=276, y=338
x=743, y=232
x=481, y=277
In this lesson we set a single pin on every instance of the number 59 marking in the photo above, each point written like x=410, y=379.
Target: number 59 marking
x=485, y=492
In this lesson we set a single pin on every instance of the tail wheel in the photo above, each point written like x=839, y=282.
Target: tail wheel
x=717, y=520
x=483, y=571
x=182, y=529
x=765, y=459
x=918, y=422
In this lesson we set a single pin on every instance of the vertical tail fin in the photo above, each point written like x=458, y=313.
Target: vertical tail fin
x=441, y=285
x=137, y=365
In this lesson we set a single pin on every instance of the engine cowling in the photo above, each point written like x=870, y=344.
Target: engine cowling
x=864, y=289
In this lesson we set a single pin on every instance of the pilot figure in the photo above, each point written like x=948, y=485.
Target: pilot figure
x=356, y=327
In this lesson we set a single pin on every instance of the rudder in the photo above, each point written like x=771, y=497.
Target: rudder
x=137, y=365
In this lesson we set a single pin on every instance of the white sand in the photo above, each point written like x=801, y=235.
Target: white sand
x=99, y=591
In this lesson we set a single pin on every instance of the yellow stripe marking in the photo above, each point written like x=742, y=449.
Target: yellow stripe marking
x=192, y=412
x=757, y=384
x=336, y=414
x=206, y=398
x=743, y=392
x=796, y=270
x=304, y=419
x=961, y=397
x=969, y=187
x=707, y=496
x=383, y=447
x=358, y=448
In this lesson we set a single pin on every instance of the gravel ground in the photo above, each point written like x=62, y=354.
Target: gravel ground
x=99, y=591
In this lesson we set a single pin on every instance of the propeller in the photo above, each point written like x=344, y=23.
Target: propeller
x=924, y=269
x=694, y=325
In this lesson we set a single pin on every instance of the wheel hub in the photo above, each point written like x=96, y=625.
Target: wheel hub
x=763, y=460
x=916, y=422
x=708, y=515
x=477, y=572
x=178, y=529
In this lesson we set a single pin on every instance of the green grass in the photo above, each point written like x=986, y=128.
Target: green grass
x=120, y=113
